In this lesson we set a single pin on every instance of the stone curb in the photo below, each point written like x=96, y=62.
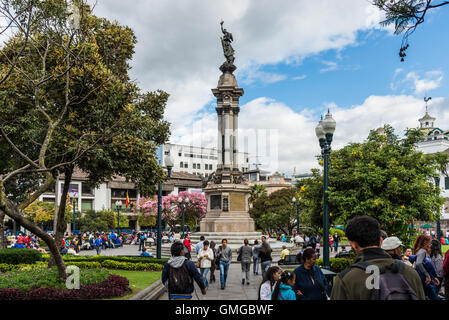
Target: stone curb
x=153, y=292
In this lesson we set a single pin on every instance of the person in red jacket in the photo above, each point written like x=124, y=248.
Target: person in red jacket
x=187, y=243
x=446, y=275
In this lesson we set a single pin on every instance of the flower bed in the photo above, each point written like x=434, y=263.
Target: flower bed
x=113, y=286
x=36, y=282
x=131, y=266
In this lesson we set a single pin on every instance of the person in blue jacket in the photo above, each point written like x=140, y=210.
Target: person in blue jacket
x=310, y=282
x=283, y=288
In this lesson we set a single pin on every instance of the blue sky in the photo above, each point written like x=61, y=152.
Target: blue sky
x=295, y=59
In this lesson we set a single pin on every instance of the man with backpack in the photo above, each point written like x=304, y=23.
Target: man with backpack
x=178, y=275
x=375, y=275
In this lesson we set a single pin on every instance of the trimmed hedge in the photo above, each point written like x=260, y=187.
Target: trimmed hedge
x=84, y=264
x=337, y=265
x=113, y=258
x=110, y=264
x=19, y=256
x=114, y=286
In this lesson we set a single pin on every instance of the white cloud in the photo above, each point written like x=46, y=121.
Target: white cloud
x=179, y=49
x=331, y=66
x=432, y=80
x=254, y=74
x=301, y=77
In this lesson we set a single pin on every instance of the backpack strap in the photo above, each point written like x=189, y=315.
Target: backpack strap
x=280, y=295
x=361, y=265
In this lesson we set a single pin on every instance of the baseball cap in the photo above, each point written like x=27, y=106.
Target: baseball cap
x=391, y=243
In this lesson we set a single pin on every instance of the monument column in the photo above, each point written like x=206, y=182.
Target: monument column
x=227, y=193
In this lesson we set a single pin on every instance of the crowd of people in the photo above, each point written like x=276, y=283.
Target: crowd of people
x=420, y=273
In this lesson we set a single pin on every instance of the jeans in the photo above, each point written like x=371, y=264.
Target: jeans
x=141, y=245
x=431, y=293
x=246, y=266
x=336, y=247
x=224, y=266
x=98, y=250
x=204, y=272
x=256, y=265
x=264, y=266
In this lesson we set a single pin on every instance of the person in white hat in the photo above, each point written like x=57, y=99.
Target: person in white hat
x=392, y=245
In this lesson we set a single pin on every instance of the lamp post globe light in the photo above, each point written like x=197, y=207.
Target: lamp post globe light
x=169, y=164
x=183, y=204
x=325, y=132
x=118, y=205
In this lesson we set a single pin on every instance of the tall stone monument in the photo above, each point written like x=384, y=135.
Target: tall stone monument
x=227, y=193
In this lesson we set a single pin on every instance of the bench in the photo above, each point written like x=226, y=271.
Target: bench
x=289, y=259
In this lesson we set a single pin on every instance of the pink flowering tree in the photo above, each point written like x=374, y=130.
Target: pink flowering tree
x=171, y=212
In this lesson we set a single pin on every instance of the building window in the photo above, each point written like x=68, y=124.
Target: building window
x=72, y=188
x=446, y=183
x=215, y=202
x=179, y=154
x=167, y=153
x=194, y=166
x=86, y=205
x=86, y=190
x=225, y=204
x=198, y=166
x=181, y=164
x=186, y=165
x=121, y=193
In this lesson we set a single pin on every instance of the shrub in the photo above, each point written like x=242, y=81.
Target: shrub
x=113, y=286
x=19, y=255
x=337, y=265
x=131, y=266
x=40, y=277
x=340, y=232
x=84, y=264
x=100, y=259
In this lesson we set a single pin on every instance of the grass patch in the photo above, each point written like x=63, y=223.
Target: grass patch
x=138, y=280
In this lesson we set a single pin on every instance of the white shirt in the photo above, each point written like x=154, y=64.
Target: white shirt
x=206, y=262
x=265, y=291
x=71, y=251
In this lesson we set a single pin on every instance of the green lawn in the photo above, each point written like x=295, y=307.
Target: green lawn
x=138, y=280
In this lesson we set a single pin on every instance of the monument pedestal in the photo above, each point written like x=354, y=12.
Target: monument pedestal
x=227, y=209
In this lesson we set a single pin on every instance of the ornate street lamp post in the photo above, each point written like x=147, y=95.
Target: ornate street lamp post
x=437, y=184
x=296, y=204
x=183, y=204
x=169, y=164
x=118, y=205
x=73, y=196
x=325, y=132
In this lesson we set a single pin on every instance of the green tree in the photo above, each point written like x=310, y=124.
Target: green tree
x=386, y=178
x=406, y=15
x=68, y=102
x=275, y=212
x=257, y=191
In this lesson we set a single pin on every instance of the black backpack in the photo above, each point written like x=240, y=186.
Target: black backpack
x=392, y=283
x=179, y=279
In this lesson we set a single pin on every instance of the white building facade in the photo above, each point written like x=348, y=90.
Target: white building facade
x=198, y=160
x=436, y=140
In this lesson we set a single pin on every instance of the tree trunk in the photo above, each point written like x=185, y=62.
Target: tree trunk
x=61, y=226
x=12, y=211
x=2, y=230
